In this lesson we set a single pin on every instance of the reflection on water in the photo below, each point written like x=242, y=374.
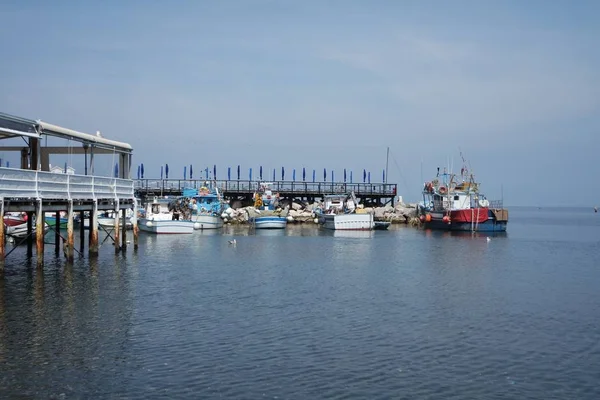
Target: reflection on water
x=354, y=234
x=307, y=313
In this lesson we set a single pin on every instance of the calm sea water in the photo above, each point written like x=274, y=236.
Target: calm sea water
x=306, y=314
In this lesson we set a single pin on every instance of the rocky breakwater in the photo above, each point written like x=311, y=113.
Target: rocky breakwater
x=299, y=213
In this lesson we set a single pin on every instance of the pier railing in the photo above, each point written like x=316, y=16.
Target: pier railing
x=176, y=186
x=20, y=183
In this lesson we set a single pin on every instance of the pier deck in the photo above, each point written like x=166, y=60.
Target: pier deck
x=242, y=190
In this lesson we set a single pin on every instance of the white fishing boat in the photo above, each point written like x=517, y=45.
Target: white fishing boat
x=340, y=212
x=20, y=231
x=159, y=218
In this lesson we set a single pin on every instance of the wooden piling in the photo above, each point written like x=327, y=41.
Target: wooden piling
x=70, y=248
x=57, y=237
x=136, y=229
x=116, y=231
x=39, y=233
x=123, y=230
x=29, y=231
x=2, y=243
x=81, y=232
x=93, y=247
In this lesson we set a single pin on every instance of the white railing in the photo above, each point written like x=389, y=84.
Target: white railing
x=22, y=183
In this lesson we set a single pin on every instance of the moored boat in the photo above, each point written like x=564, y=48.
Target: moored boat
x=270, y=215
x=341, y=212
x=454, y=202
x=158, y=217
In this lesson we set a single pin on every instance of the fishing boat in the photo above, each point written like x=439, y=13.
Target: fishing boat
x=453, y=202
x=106, y=219
x=20, y=231
x=14, y=219
x=269, y=214
x=341, y=212
x=158, y=217
x=207, y=205
x=50, y=219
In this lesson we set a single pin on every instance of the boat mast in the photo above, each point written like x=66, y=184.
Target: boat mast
x=387, y=159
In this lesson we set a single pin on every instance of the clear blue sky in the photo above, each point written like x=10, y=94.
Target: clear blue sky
x=513, y=84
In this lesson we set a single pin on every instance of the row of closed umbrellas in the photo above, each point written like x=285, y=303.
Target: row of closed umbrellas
x=164, y=173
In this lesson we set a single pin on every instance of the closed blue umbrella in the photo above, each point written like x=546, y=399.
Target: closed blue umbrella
x=369, y=177
x=282, y=174
x=324, y=175
x=142, y=170
x=364, y=175
x=0, y=163
x=191, y=177
x=215, y=171
x=66, y=167
x=238, y=173
x=383, y=176
x=250, y=174
x=273, y=174
x=294, y=174
x=206, y=172
x=350, y=176
x=167, y=171
x=184, y=173
x=116, y=169
x=314, y=176
x=331, y=176
x=260, y=172
x=139, y=170
x=228, y=173
x=161, y=172
x=344, y=175
x=8, y=164
x=303, y=174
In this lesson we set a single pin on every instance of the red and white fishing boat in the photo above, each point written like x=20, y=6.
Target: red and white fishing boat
x=453, y=202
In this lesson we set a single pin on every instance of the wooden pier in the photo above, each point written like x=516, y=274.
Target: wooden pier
x=239, y=192
x=33, y=190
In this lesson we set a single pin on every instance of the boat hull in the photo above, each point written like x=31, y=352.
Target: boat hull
x=270, y=222
x=350, y=222
x=471, y=220
x=166, y=226
x=207, y=222
x=109, y=222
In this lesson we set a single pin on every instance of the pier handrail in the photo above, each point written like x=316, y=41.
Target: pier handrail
x=22, y=183
x=167, y=186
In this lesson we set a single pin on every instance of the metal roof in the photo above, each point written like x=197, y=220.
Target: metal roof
x=12, y=126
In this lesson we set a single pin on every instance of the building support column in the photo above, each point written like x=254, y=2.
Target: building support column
x=116, y=231
x=81, y=232
x=29, y=233
x=124, y=230
x=39, y=233
x=70, y=250
x=134, y=221
x=57, y=237
x=2, y=243
x=93, y=247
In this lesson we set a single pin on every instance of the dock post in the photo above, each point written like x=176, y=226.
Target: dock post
x=134, y=221
x=81, y=232
x=57, y=233
x=39, y=233
x=117, y=244
x=70, y=237
x=29, y=231
x=123, y=230
x=93, y=246
x=2, y=243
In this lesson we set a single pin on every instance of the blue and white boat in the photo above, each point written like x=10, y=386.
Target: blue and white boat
x=207, y=207
x=267, y=205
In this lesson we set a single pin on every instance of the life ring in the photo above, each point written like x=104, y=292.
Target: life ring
x=443, y=190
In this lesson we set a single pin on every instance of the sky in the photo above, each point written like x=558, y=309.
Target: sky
x=513, y=85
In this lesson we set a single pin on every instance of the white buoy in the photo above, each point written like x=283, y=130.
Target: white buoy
x=316, y=220
x=489, y=239
x=290, y=218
